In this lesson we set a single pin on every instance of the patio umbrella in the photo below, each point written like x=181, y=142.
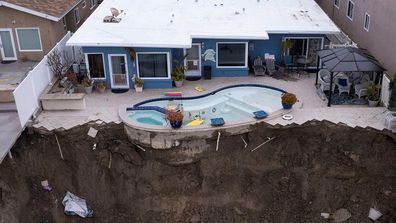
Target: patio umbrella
x=348, y=59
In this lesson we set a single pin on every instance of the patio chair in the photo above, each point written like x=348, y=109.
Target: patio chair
x=343, y=84
x=390, y=120
x=270, y=65
x=258, y=67
x=362, y=89
x=324, y=79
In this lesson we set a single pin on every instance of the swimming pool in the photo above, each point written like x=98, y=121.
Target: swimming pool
x=235, y=104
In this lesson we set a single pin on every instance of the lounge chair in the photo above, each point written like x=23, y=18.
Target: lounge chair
x=258, y=67
x=270, y=65
x=343, y=84
x=390, y=120
x=324, y=79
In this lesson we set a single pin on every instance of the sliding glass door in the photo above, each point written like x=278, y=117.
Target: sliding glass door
x=305, y=47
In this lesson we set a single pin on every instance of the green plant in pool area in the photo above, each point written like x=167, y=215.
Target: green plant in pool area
x=289, y=98
x=138, y=82
x=87, y=82
x=174, y=116
x=373, y=92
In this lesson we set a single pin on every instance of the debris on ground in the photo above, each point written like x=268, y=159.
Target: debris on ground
x=92, y=132
x=374, y=214
x=46, y=185
x=325, y=215
x=341, y=215
x=76, y=206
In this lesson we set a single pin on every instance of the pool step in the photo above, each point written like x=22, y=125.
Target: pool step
x=242, y=106
x=209, y=104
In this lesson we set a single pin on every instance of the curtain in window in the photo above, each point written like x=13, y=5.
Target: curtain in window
x=153, y=65
x=95, y=63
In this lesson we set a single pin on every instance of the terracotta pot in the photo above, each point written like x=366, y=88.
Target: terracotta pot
x=101, y=90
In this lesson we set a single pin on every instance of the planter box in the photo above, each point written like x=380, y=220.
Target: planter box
x=59, y=101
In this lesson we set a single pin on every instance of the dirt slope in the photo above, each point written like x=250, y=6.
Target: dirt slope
x=305, y=170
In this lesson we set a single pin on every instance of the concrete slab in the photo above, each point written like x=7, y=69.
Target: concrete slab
x=14, y=73
x=10, y=130
x=310, y=106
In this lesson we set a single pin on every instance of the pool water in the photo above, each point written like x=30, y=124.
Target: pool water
x=234, y=105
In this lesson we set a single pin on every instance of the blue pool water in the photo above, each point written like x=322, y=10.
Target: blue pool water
x=234, y=105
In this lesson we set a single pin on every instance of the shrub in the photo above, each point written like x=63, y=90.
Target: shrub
x=289, y=98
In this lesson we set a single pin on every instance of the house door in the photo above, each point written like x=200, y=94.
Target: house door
x=7, y=46
x=193, y=60
x=118, y=71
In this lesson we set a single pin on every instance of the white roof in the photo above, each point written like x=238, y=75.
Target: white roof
x=173, y=23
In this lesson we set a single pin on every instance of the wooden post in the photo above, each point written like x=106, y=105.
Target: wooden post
x=59, y=147
x=331, y=89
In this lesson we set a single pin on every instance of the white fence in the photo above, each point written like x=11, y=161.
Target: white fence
x=385, y=93
x=27, y=94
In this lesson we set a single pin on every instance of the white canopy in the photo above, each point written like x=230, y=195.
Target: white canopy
x=173, y=23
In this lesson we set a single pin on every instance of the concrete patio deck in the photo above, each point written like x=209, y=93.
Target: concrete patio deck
x=10, y=129
x=104, y=107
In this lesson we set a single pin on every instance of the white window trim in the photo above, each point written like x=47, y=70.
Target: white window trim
x=13, y=43
x=92, y=6
x=232, y=67
x=19, y=45
x=79, y=15
x=337, y=6
x=104, y=66
x=111, y=70
x=153, y=78
x=353, y=12
x=84, y=4
x=364, y=22
x=199, y=57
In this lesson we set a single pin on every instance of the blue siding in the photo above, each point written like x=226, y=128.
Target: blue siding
x=148, y=83
x=257, y=48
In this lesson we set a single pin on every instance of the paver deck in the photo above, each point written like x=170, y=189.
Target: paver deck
x=104, y=107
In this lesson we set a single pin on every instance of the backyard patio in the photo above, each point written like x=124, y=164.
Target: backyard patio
x=104, y=107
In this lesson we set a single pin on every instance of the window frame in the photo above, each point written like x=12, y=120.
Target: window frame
x=94, y=4
x=39, y=35
x=104, y=66
x=337, y=3
x=232, y=67
x=350, y=2
x=366, y=15
x=84, y=4
x=154, y=78
x=79, y=16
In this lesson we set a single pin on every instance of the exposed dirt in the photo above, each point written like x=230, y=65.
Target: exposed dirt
x=305, y=170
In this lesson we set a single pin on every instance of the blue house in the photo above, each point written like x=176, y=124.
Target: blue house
x=145, y=38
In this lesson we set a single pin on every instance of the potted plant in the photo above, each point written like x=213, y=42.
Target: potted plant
x=288, y=100
x=138, y=84
x=373, y=94
x=178, y=75
x=101, y=87
x=88, y=85
x=175, y=118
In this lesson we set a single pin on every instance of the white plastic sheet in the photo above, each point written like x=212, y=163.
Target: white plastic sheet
x=76, y=206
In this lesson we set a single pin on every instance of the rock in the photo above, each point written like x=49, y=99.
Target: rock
x=354, y=157
x=195, y=219
x=341, y=215
x=387, y=192
x=354, y=198
x=239, y=212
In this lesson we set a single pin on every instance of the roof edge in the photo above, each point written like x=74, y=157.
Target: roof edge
x=34, y=12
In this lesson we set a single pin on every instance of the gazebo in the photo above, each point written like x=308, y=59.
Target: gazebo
x=347, y=59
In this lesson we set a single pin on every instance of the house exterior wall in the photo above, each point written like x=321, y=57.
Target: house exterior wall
x=255, y=48
x=131, y=63
x=381, y=35
x=85, y=12
x=51, y=32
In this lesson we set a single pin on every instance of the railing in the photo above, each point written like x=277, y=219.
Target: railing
x=27, y=94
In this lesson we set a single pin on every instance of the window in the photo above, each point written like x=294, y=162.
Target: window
x=64, y=23
x=366, y=24
x=232, y=55
x=93, y=3
x=29, y=39
x=153, y=65
x=95, y=65
x=337, y=3
x=84, y=4
x=77, y=15
x=351, y=8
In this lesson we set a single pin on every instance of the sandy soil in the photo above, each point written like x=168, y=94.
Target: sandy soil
x=305, y=170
